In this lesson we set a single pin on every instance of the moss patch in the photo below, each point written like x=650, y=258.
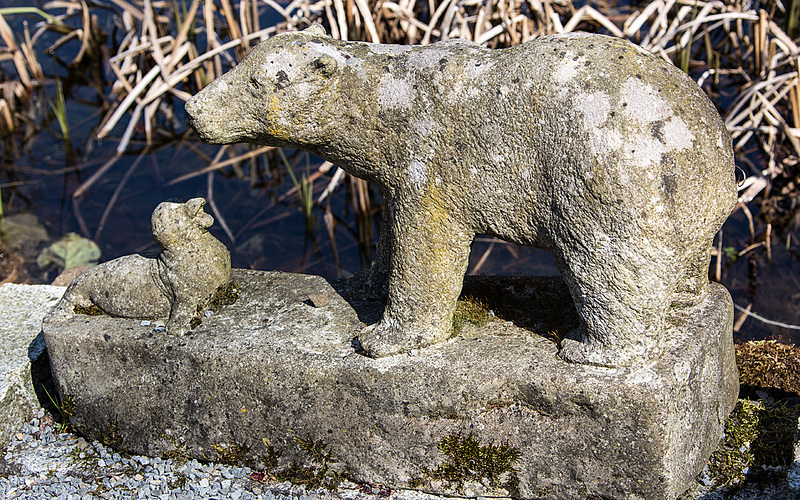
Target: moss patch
x=541, y=305
x=232, y=453
x=759, y=433
x=756, y=434
x=111, y=436
x=769, y=364
x=729, y=462
x=225, y=295
x=471, y=310
x=468, y=460
x=316, y=472
x=91, y=310
x=65, y=407
x=178, y=451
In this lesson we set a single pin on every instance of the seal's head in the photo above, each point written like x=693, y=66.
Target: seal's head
x=174, y=223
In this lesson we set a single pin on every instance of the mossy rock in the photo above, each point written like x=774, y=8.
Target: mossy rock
x=769, y=364
x=758, y=435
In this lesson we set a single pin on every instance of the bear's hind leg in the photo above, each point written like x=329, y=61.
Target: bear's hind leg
x=692, y=289
x=621, y=298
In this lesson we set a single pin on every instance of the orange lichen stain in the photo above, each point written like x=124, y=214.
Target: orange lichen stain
x=438, y=217
x=434, y=205
x=273, y=118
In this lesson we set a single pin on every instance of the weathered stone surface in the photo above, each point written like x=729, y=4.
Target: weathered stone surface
x=22, y=308
x=272, y=368
x=178, y=282
x=587, y=146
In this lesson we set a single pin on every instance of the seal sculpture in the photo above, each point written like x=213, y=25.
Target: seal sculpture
x=191, y=266
x=584, y=145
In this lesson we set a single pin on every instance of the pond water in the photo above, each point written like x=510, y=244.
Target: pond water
x=267, y=227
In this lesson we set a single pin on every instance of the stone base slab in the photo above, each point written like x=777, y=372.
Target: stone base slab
x=275, y=371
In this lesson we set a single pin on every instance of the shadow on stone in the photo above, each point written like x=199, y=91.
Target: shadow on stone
x=540, y=304
x=42, y=377
x=368, y=309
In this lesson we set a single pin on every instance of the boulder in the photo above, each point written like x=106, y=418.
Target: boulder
x=22, y=308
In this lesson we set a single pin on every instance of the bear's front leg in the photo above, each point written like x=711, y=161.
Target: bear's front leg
x=428, y=261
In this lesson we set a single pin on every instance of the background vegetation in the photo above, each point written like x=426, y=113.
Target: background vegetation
x=106, y=82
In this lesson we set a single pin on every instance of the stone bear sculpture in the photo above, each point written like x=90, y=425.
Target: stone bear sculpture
x=584, y=145
x=191, y=266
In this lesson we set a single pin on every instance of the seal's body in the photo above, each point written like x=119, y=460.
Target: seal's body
x=191, y=266
x=584, y=145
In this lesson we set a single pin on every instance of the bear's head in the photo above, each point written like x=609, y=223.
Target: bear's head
x=279, y=95
x=175, y=224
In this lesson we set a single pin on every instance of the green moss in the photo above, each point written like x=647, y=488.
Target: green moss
x=468, y=460
x=270, y=459
x=178, y=452
x=495, y=404
x=225, y=295
x=65, y=407
x=178, y=483
x=756, y=434
x=542, y=306
x=470, y=310
x=91, y=310
x=111, y=437
x=316, y=472
x=315, y=449
x=774, y=443
x=232, y=453
x=760, y=434
x=84, y=460
x=729, y=462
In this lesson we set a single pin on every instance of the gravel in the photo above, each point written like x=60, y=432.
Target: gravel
x=40, y=462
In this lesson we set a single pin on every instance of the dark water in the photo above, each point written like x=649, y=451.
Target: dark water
x=267, y=227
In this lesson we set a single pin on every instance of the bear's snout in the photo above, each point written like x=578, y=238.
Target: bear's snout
x=193, y=113
x=207, y=112
x=191, y=108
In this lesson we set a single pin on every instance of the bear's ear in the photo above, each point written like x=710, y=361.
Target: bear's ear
x=194, y=206
x=315, y=29
x=325, y=64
